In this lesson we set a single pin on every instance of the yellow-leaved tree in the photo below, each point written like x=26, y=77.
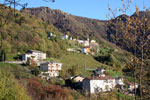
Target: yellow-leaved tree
x=133, y=34
x=9, y=88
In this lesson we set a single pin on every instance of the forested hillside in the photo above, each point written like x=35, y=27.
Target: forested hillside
x=29, y=30
x=24, y=32
x=113, y=30
x=77, y=26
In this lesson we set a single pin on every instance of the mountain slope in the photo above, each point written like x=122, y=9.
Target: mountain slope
x=28, y=32
x=81, y=27
x=77, y=26
x=130, y=31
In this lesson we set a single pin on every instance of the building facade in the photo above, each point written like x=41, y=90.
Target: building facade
x=50, y=69
x=33, y=54
x=100, y=84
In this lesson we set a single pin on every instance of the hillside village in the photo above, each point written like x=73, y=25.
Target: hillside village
x=87, y=46
x=45, y=62
x=99, y=81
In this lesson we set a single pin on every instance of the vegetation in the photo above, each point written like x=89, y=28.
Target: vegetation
x=39, y=89
x=79, y=27
x=24, y=32
x=132, y=33
x=2, y=56
x=10, y=89
x=113, y=95
x=80, y=61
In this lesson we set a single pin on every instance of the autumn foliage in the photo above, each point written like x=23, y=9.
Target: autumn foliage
x=40, y=91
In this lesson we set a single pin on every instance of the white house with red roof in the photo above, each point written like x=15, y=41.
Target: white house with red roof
x=101, y=83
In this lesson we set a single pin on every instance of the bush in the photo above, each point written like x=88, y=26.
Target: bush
x=123, y=97
x=48, y=92
x=74, y=70
x=10, y=90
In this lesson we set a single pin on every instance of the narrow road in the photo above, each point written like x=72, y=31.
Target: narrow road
x=14, y=62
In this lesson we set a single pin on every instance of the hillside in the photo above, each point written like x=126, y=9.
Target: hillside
x=113, y=30
x=25, y=32
x=77, y=26
x=28, y=32
x=131, y=31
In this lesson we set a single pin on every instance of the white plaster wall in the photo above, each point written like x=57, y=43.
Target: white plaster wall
x=40, y=56
x=119, y=81
x=55, y=66
x=44, y=56
x=101, y=85
x=53, y=73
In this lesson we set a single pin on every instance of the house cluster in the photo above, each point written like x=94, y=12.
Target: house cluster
x=48, y=69
x=99, y=82
x=63, y=37
x=88, y=47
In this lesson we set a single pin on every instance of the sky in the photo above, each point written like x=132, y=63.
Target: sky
x=97, y=9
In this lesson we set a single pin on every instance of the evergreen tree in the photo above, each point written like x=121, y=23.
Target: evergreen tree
x=3, y=56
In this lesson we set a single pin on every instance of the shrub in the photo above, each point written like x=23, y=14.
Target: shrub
x=10, y=90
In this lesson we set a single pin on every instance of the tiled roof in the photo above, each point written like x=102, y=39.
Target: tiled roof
x=50, y=62
x=87, y=47
x=36, y=51
x=101, y=78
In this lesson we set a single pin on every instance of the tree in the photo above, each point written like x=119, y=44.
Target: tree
x=132, y=33
x=3, y=56
x=35, y=71
x=74, y=70
x=11, y=11
x=10, y=89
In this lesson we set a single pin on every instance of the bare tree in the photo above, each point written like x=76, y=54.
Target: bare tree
x=132, y=32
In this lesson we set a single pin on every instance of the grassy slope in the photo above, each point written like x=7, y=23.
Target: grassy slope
x=31, y=35
x=82, y=61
